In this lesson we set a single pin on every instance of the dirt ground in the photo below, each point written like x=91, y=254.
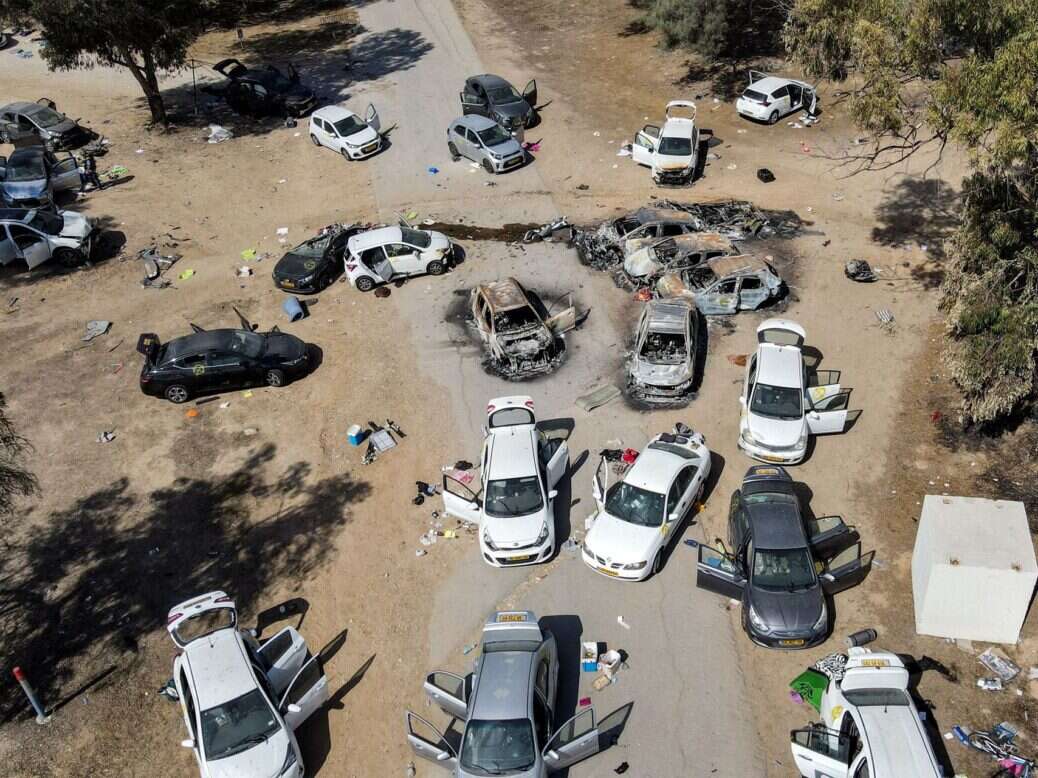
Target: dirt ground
x=265, y=499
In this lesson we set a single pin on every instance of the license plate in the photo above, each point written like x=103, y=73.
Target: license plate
x=288, y=284
x=875, y=663
x=503, y=618
x=520, y=558
x=771, y=459
x=799, y=642
x=367, y=149
x=607, y=571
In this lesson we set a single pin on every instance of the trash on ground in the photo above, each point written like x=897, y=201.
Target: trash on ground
x=186, y=274
x=356, y=434
x=622, y=623
x=765, y=175
x=589, y=656
x=859, y=270
x=382, y=292
x=248, y=255
x=737, y=359
x=598, y=396
x=885, y=316
x=860, y=638
x=244, y=271
x=105, y=437
x=809, y=686
x=998, y=663
x=218, y=134
x=293, y=309
x=192, y=413
x=990, y=684
x=95, y=328
x=433, y=170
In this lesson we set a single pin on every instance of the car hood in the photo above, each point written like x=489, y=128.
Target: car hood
x=438, y=242
x=788, y=611
x=781, y=433
x=673, y=163
x=282, y=346
x=660, y=375
x=507, y=149
x=63, y=127
x=296, y=266
x=76, y=225
x=640, y=263
x=18, y=190
x=513, y=110
x=259, y=761
x=514, y=531
x=362, y=137
x=620, y=541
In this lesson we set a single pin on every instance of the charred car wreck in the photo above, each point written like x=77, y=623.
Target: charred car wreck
x=662, y=367
x=521, y=341
x=644, y=263
x=724, y=285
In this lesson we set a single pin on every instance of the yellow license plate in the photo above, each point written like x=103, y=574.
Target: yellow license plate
x=607, y=571
x=520, y=558
x=875, y=663
x=792, y=642
x=509, y=617
x=772, y=459
x=289, y=284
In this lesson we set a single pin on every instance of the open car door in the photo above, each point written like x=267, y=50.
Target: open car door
x=643, y=150
x=282, y=657
x=459, y=500
x=719, y=573
x=231, y=68
x=833, y=418
x=558, y=463
x=829, y=535
x=65, y=174
x=470, y=103
x=847, y=569
x=449, y=692
x=757, y=75
x=371, y=118
x=429, y=743
x=574, y=741
x=564, y=320
x=821, y=753
x=383, y=266
x=600, y=483
x=530, y=93
x=306, y=693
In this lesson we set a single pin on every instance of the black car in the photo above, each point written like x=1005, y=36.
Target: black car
x=492, y=96
x=313, y=265
x=782, y=566
x=210, y=361
x=264, y=90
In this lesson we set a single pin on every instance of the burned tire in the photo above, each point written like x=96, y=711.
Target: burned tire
x=365, y=283
x=68, y=257
x=487, y=166
x=274, y=378
x=455, y=156
x=177, y=394
x=313, y=139
x=773, y=118
x=435, y=268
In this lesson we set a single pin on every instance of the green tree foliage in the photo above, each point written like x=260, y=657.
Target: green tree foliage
x=931, y=72
x=15, y=480
x=729, y=30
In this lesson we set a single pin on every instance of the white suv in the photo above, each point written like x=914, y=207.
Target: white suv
x=242, y=701
x=514, y=505
x=672, y=152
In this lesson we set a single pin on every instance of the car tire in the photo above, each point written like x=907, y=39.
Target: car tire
x=4, y=137
x=345, y=155
x=67, y=257
x=657, y=563
x=487, y=166
x=275, y=378
x=435, y=268
x=365, y=283
x=313, y=139
x=455, y=156
x=773, y=118
x=177, y=394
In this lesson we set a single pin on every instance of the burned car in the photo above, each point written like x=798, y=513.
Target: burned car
x=520, y=339
x=610, y=238
x=645, y=262
x=662, y=367
x=263, y=89
x=724, y=285
x=27, y=121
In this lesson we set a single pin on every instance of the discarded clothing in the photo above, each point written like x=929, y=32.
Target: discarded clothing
x=859, y=270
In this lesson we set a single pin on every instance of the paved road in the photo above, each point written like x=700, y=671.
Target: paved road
x=690, y=713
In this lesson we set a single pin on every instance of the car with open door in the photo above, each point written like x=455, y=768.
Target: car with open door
x=259, y=90
x=513, y=500
x=241, y=699
x=494, y=97
x=783, y=402
x=484, y=142
x=870, y=727
x=642, y=514
x=378, y=256
x=33, y=176
x=724, y=285
x=671, y=151
x=508, y=709
x=344, y=132
x=25, y=121
x=768, y=98
x=314, y=264
x=781, y=566
x=35, y=236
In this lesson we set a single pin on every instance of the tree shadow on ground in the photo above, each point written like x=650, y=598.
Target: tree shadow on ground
x=97, y=576
x=923, y=211
x=725, y=81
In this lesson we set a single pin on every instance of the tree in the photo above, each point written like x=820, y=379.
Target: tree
x=716, y=29
x=931, y=72
x=15, y=480
x=143, y=36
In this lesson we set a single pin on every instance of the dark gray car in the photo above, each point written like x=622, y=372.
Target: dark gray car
x=23, y=120
x=32, y=176
x=484, y=141
x=782, y=566
x=491, y=96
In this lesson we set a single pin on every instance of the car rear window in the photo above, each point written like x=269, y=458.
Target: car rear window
x=751, y=94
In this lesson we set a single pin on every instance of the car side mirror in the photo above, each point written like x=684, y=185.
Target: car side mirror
x=443, y=756
x=554, y=755
x=188, y=743
x=828, y=577
x=553, y=494
x=293, y=708
x=742, y=400
x=674, y=516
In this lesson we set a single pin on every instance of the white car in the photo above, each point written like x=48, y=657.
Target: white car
x=640, y=515
x=515, y=502
x=242, y=701
x=769, y=98
x=36, y=236
x=870, y=725
x=387, y=253
x=672, y=152
x=782, y=404
x=341, y=130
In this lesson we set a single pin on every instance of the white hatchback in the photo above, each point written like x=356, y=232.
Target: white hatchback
x=673, y=151
x=341, y=130
x=769, y=98
x=388, y=253
x=640, y=515
x=514, y=500
x=242, y=701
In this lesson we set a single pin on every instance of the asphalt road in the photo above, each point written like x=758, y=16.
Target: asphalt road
x=690, y=711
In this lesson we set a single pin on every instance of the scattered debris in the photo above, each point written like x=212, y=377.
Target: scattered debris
x=105, y=437
x=859, y=270
x=218, y=134
x=186, y=274
x=765, y=175
x=550, y=231
x=598, y=396
x=244, y=271
x=998, y=663
x=885, y=316
x=622, y=623
x=382, y=292
x=96, y=328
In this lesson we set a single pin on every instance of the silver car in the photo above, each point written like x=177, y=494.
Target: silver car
x=508, y=708
x=662, y=367
x=724, y=285
x=32, y=176
x=484, y=141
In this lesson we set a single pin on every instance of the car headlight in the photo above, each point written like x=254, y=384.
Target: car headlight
x=544, y=534
x=636, y=566
x=757, y=621
x=823, y=620
x=489, y=543
x=747, y=437
x=802, y=440
x=307, y=280
x=290, y=761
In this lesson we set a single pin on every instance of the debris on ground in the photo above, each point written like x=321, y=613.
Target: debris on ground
x=382, y=292
x=186, y=274
x=105, y=437
x=859, y=270
x=95, y=329
x=554, y=230
x=380, y=441
x=155, y=264
x=885, y=317
x=596, y=397
x=218, y=134
x=998, y=663
x=765, y=175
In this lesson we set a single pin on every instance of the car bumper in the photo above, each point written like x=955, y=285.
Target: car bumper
x=662, y=395
x=365, y=151
x=609, y=571
x=752, y=110
x=290, y=285
x=672, y=177
x=772, y=456
x=794, y=642
x=517, y=557
x=508, y=163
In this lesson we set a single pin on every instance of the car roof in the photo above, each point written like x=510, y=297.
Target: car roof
x=779, y=365
x=489, y=79
x=677, y=127
x=776, y=525
x=769, y=84
x=651, y=215
x=668, y=315
x=475, y=122
x=512, y=453
x=21, y=106
x=896, y=741
x=220, y=668
x=379, y=237
x=25, y=152
x=706, y=241
x=504, y=295
x=199, y=341
x=333, y=113
x=654, y=469
x=504, y=686
x=737, y=265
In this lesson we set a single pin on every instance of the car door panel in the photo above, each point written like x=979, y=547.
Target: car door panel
x=574, y=741
x=371, y=118
x=283, y=655
x=828, y=535
x=65, y=174
x=308, y=691
x=460, y=501
x=826, y=422
x=557, y=465
x=8, y=250
x=719, y=573
x=448, y=691
x=819, y=396
x=384, y=267
x=721, y=298
x=821, y=753
x=847, y=569
x=433, y=745
x=752, y=293
x=564, y=320
x=530, y=93
x=35, y=253
x=600, y=483
x=643, y=150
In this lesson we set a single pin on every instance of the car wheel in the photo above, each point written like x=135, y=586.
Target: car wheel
x=487, y=166
x=316, y=142
x=773, y=118
x=455, y=156
x=177, y=393
x=67, y=257
x=657, y=563
x=365, y=283
x=345, y=155
x=434, y=268
x=274, y=378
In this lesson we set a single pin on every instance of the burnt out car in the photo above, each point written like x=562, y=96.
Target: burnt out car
x=662, y=367
x=724, y=285
x=610, y=239
x=22, y=121
x=262, y=90
x=520, y=339
x=648, y=260
x=314, y=264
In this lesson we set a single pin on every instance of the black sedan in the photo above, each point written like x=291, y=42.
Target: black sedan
x=264, y=89
x=210, y=361
x=313, y=265
x=495, y=98
x=782, y=566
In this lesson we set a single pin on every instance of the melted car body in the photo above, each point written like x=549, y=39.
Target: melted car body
x=662, y=367
x=724, y=285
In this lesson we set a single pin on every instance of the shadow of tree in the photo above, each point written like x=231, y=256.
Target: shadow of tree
x=920, y=210
x=97, y=576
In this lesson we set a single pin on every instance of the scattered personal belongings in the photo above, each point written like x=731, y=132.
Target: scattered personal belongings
x=96, y=328
x=382, y=292
x=859, y=270
x=738, y=359
x=155, y=264
x=809, y=686
x=998, y=663
x=186, y=274
x=547, y=231
x=244, y=271
x=218, y=134
x=379, y=441
x=293, y=309
x=765, y=175
x=598, y=396
x=356, y=434
x=885, y=316
x=105, y=437
x=248, y=254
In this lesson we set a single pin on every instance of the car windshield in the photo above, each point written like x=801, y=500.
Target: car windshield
x=313, y=248
x=504, y=94
x=46, y=117
x=675, y=147
x=418, y=238
x=26, y=167
x=770, y=497
x=237, y=725
x=789, y=569
x=664, y=348
x=47, y=222
x=513, y=496
x=349, y=126
x=271, y=77
x=494, y=136
x=776, y=402
x=248, y=343
x=751, y=94
x=872, y=698
x=497, y=747
x=635, y=505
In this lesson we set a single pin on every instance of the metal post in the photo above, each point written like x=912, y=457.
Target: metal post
x=41, y=717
